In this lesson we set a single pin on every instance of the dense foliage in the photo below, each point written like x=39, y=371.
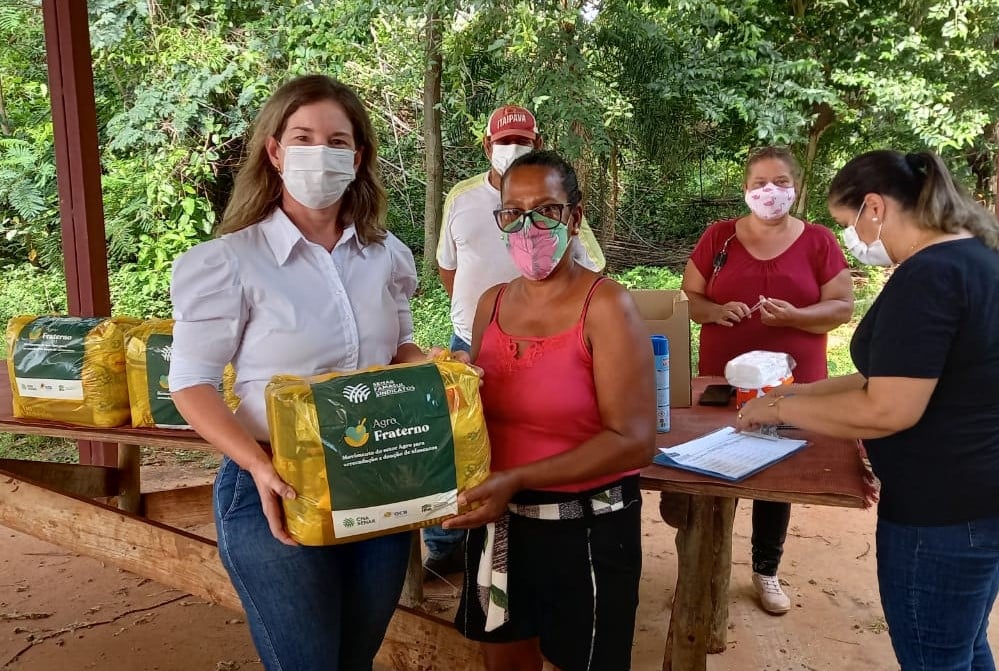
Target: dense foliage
x=657, y=102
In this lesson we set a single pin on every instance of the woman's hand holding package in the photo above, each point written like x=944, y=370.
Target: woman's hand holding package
x=493, y=495
x=463, y=357
x=272, y=489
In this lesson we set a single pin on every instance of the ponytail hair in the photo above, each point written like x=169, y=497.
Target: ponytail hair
x=921, y=183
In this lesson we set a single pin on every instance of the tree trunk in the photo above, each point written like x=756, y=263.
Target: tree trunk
x=600, y=197
x=434, y=206
x=582, y=164
x=5, y=128
x=610, y=223
x=981, y=163
x=995, y=172
x=824, y=118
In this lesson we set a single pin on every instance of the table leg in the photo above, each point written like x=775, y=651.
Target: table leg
x=129, y=497
x=699, y=618
x=722, y=573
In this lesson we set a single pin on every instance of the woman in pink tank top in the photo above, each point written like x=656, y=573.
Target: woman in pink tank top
x=553, y=557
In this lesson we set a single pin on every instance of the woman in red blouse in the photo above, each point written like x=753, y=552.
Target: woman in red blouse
x=768, y=281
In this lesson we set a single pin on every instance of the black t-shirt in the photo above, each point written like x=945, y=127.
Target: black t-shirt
x=938, y=317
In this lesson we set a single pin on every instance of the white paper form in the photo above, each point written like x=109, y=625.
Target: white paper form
x=728, y=454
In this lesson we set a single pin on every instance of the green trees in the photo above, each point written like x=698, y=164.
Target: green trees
x=656, y=102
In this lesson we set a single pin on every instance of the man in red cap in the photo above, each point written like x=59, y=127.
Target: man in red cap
x=472, y=257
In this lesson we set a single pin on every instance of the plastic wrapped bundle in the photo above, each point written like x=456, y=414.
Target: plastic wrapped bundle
x=69, y=369
x=147, y=364
x=756, y=373
x=378, y=451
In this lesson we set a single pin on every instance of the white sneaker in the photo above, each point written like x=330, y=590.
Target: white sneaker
x=771, y=595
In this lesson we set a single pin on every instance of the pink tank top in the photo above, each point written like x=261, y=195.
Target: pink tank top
x=543, y=402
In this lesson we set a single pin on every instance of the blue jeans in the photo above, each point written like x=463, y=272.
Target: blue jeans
x=459, y=345
x=938, y=585
x=307, y=607
x=441, y=541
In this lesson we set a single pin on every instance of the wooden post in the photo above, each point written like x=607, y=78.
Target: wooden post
x=724, y=517
x=412, y=590
x=699, y=618
x=129, y=495
x=78, y=172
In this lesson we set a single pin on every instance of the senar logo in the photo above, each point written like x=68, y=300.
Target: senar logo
x=357, y=393
x=356, y=436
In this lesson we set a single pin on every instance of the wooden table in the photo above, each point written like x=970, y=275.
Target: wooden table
x=826, y=472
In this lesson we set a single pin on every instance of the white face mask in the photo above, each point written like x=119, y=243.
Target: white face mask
x=505, y=154
x=874, y=254
x=317, y=176
x=770, y=201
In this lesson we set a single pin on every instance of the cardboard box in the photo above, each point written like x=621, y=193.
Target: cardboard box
x=668, y=313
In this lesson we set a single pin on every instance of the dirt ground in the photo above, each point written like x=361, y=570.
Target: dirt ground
x=62, y=611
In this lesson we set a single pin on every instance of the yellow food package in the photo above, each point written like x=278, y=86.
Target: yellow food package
x=69, y=369
x=378, y=451
x=148, y=349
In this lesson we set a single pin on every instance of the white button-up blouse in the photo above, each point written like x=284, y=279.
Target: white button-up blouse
x=272, y=302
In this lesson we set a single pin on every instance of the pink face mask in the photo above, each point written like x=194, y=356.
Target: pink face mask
x=770, y=201
x=536, y=251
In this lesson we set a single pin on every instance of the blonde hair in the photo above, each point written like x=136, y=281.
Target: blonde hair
x=921, y=183
x=257, y=188
x=779, y=153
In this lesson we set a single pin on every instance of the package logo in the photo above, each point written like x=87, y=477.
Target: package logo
x=164, y=382
x=357, y=393
x=165, y=352
x=356, y=436
x=35, y=333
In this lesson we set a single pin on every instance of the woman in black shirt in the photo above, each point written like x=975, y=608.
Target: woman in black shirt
x=925, y=401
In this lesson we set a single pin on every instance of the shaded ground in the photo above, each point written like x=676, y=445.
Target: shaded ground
x=62, y=611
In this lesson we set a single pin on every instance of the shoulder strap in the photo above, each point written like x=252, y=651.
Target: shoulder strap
x=589, y=296
x=496, y=303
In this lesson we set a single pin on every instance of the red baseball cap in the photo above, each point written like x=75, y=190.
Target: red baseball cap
x=512, y=120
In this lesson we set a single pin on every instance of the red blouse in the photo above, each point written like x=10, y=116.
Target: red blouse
x=796, y=276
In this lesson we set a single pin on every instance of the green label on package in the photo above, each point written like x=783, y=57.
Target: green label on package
x=48, y=357
x=158, y=349
x=389, y=448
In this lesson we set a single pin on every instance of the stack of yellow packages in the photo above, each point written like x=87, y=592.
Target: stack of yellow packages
x=69, y=369
x=378, y=451
x=148, y=348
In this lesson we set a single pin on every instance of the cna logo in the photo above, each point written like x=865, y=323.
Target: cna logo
x=357, y=393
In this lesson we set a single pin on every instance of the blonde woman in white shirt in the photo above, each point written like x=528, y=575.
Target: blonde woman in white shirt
x=303, y=280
